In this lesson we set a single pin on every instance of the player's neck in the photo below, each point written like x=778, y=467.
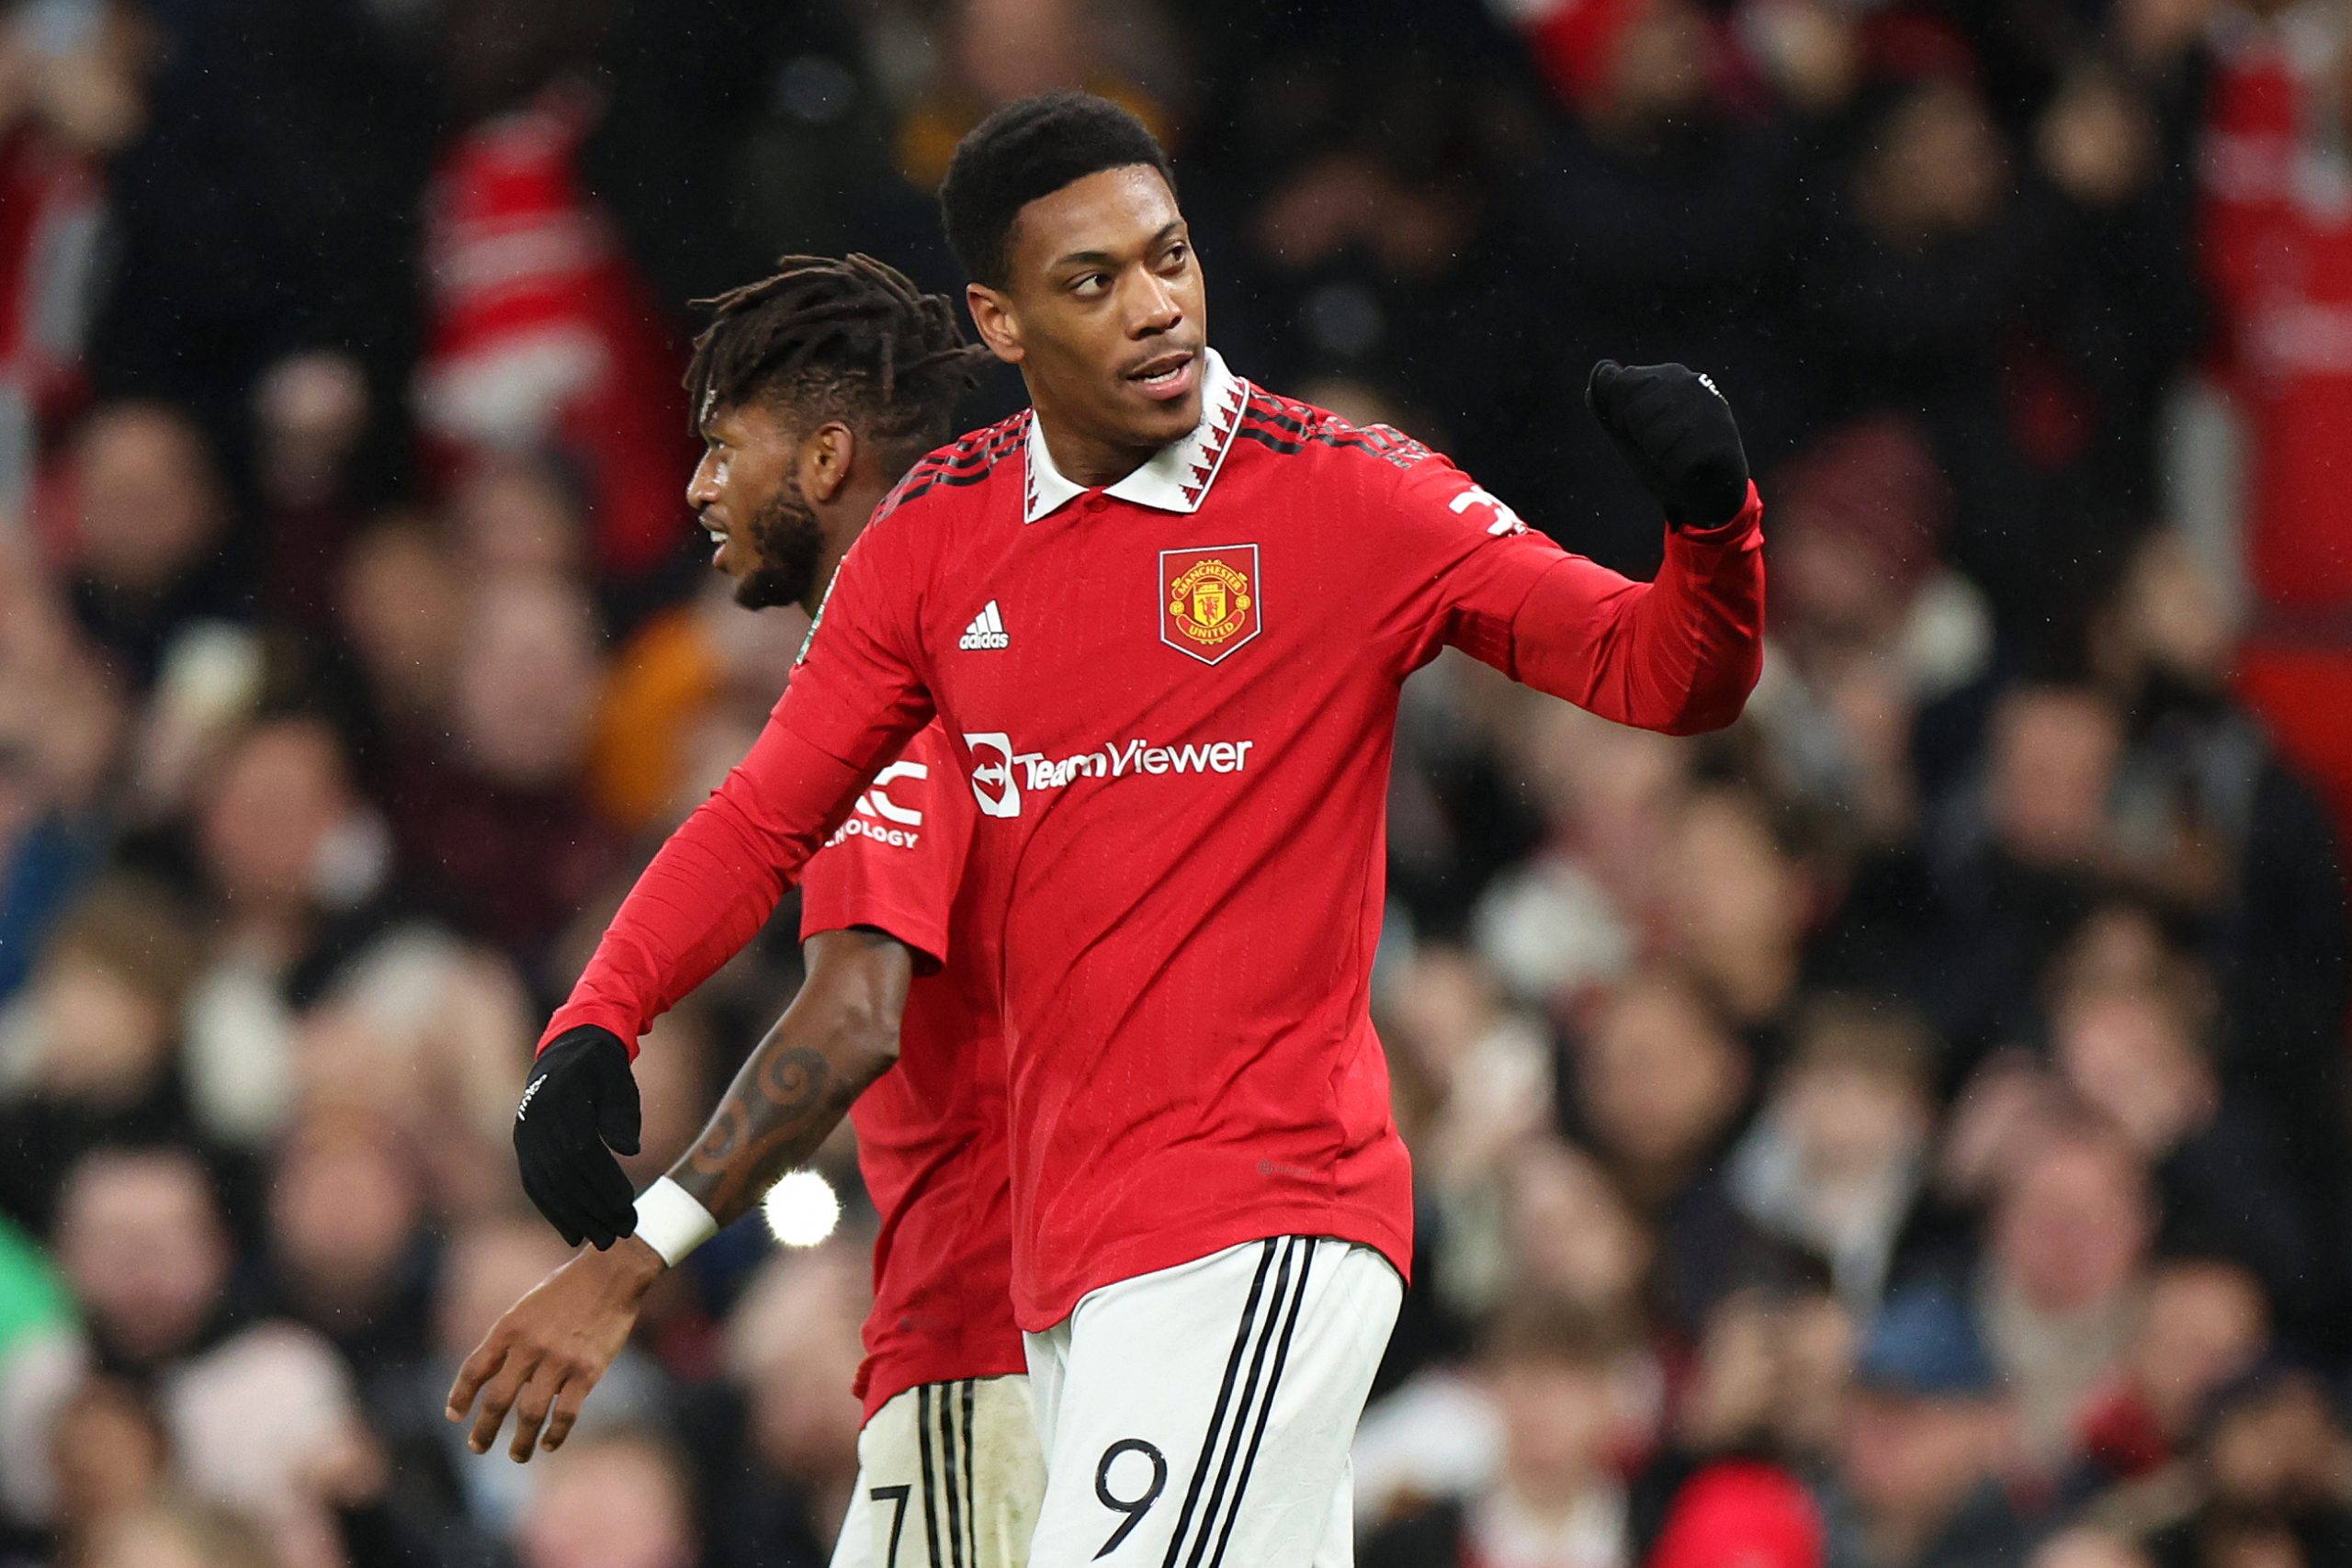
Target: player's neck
x=1089, y=460
x=841, y=521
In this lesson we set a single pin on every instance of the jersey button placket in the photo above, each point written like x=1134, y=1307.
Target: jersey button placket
x=1097, y=501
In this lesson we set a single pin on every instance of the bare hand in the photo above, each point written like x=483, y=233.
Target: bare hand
x=549, y=1349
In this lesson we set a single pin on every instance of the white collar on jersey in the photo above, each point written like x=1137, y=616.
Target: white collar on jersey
x=1174, y=479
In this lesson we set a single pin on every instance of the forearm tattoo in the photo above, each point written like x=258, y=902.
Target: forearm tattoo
x=785, y=1102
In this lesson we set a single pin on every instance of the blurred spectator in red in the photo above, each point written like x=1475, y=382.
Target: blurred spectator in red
x=2277, y=249
x=2063, y=1282
x=1554, y=1372
x=1924, y=1442
x=541, y=331
x=71, y=91
x=2278, y=265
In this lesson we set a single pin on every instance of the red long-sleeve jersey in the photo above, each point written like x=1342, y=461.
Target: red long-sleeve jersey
x=1175, y=699
x=930, y=1131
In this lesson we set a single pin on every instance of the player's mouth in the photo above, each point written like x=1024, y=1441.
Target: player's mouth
x=718, y=538
x=1167, y=377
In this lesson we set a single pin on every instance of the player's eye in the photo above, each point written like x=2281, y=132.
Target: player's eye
x=1178, y=254
x=1089, y=284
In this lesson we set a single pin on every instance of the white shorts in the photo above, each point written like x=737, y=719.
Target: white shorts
x=1200, y=1416
x=948, y=1476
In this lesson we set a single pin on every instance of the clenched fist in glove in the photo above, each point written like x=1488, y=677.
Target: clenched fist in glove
x=579, y=1106
x=1677, y=433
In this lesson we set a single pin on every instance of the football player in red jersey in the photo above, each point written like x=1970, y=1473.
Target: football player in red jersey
x=1166, y=617
x=818, y=387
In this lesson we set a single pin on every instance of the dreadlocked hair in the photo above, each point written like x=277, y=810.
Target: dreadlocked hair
x=850, y=339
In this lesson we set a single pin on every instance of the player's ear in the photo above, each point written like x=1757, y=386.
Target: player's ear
x=826, y=459
x=992, y=315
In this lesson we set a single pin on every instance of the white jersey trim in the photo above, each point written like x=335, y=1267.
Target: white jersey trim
x=1176, y=477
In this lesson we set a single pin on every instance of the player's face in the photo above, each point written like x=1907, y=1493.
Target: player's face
x=746, y=492
x=1105, y=310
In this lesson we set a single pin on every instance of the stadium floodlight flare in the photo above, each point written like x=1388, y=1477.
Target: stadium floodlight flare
x=802, y=1210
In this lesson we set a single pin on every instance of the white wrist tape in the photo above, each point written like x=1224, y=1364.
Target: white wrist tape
x=670, y=1221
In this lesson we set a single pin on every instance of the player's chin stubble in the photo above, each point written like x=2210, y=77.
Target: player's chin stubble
x=788, y=544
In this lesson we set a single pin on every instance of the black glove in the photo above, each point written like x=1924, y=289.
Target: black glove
x=1677, y=433
x=581, y=1097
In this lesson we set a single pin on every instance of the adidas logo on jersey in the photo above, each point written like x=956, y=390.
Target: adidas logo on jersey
x=987, y=630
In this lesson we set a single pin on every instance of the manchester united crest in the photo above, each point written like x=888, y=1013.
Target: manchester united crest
x=1208, y=599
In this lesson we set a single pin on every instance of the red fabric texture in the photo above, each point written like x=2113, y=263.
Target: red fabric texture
x=1186, y=836
x=712, y=885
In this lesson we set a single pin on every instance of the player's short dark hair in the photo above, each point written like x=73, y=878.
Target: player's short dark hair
x=1032, y=148
x=849, y=339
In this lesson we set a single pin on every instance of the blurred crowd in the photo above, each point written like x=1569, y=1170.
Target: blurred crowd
x=1905, y=1131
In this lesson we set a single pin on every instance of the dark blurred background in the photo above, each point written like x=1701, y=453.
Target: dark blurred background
x=1907, y=1131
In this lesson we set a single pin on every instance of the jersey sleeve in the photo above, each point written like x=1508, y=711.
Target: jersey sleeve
x=897, y=861
x=862, y=686
x=855, y=699
x=1678, y=654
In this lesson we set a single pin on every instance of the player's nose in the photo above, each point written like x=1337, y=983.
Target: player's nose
x=1156, y=307
x=702, y=485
